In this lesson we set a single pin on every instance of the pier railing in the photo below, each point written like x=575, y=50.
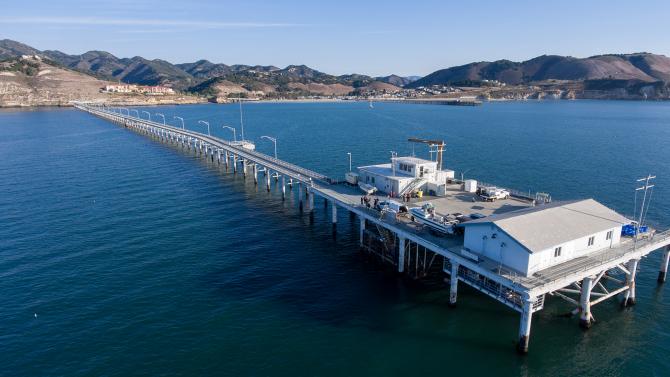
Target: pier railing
x=595, y=260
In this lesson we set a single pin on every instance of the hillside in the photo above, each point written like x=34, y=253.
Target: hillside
x=641, y=67
x=207, y=78
x=34, y=81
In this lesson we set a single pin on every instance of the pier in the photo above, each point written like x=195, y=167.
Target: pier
x=584, y=281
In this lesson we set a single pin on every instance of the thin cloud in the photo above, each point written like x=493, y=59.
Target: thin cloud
x=147, y=22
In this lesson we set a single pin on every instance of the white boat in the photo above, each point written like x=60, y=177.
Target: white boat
x=426, y=215
x=367, y=189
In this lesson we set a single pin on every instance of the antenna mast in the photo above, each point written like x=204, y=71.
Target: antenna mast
x=646, y=186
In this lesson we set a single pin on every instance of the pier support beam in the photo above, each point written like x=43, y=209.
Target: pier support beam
x=662, y=273
x=267, y=178
x=453, y=284
x=300, y=195
x=585, y=316
x=629, y=296
x=310, y=196
x=283, y=188
x=227, y=159
x=235, y=164
x=401, y=254
x=334, y=211
x=524, y=325
x=361, y=231
x=255, y=168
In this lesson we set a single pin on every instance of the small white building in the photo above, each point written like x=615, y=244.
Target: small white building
x=535, y=238
x=406, y=174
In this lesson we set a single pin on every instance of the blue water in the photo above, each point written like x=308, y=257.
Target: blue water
x=120, y=256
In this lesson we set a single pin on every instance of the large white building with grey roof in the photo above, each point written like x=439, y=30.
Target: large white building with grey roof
x=532, y=239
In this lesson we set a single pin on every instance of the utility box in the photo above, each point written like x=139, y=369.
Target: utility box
x=470, y=185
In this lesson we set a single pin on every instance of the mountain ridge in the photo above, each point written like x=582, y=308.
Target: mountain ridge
x=645, y=67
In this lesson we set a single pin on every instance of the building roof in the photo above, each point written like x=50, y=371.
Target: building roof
x=414, y=160
x=385, y=170
x=549, y=225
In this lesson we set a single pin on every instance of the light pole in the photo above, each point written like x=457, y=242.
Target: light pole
x=136, y=112
x=463, y=174
x=207, y=123
x=393, y=157
x=349, y=153
x=272, y=139
x=182, y=121
x=162, y=116
x=148, y=113
x=232, y=129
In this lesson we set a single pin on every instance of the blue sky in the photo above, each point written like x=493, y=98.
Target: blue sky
x=338, y=37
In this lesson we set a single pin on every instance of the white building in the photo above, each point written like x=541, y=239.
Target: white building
x=532, y=239
x=406, y=174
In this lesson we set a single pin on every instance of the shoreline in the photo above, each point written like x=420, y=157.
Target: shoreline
x=417, y=101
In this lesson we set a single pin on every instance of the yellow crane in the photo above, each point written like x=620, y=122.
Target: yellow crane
x=438, y=144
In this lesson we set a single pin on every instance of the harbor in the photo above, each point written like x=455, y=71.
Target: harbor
x=582, y=275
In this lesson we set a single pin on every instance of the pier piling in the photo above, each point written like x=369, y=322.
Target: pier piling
x=665, y=260
x=524, y=325
x=453, y=283
x=401, y=254
x=629, y=295
x=585, y=316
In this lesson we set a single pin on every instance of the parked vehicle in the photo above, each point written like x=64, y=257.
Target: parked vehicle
x=492, y=193
x=367, y=189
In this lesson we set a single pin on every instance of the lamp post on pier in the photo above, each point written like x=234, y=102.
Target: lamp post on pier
x=148, y=113
x=163, y=116
x=137, y=113
x=232, y=129
x=182, y=121
x=272, y=139
x=207, y=123
x=349, y=153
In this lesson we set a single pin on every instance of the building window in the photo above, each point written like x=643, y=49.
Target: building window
x=609, y=235
x=557, y=251
x=591, y=240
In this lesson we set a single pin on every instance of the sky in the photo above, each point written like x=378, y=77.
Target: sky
x=340, y=37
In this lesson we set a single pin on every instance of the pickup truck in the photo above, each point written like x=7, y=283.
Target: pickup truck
x=491, y=194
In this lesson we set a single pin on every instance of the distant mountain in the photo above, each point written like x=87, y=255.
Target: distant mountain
x=204, y=69
x=640, y=66
x=11, y=49
x=397, y=80
x=205, y=77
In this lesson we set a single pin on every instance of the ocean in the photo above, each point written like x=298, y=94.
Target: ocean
x=121, y=256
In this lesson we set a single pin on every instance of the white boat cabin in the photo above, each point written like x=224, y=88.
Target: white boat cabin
x=533, y=239
x=406, y=174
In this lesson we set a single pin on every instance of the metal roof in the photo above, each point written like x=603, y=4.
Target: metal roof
x=549, y=225
x=414, y=160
